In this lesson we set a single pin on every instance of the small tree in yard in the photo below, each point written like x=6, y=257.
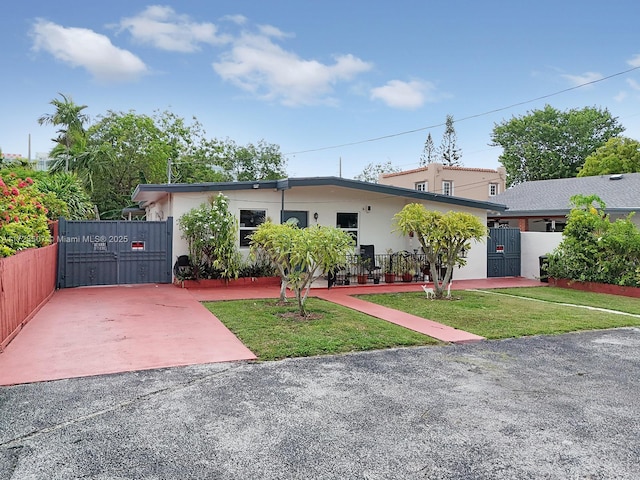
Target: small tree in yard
x=443, y=237
x=210, y=231
x=302, y=255
x=276, y=242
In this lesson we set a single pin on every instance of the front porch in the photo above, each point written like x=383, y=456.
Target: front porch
x=398, y=267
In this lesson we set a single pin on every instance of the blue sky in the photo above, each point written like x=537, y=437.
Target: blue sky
x=321, y=79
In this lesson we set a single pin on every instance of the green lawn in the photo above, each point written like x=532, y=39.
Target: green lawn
x=264, y=328
x=501, y=316
x=565, y=295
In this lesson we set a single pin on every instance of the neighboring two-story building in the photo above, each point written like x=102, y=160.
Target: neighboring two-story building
x=474, y=183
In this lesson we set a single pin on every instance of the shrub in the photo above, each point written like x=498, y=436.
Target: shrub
x=594, y=249
x=210, y=231
x=23, y=216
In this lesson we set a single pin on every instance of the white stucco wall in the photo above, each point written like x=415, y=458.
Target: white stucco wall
x=375, y=214
x=532, y=246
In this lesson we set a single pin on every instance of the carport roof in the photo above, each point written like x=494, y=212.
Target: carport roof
x=620, y=193
x=146, y=194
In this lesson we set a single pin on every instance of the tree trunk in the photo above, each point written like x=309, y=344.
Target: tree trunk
x=301, y=309
x=283, y=290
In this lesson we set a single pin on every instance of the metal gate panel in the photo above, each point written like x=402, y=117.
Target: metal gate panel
x=113, y=252
x=503, y=252
x=142, y=252
x=83, y=257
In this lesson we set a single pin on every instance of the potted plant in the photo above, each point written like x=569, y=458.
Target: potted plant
x=407, y=275
x=387, y=267
x=407, y=268
x=363, y=265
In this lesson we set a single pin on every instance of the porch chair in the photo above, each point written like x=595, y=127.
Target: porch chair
x=368, y=257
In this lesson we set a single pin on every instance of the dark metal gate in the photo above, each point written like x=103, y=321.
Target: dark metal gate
x=113, y=252
x=503, y=252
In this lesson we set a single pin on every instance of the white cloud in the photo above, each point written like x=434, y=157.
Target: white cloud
x=405, y=95
x=621, y=96
x=587, y=77
x=633, y=84
x=271, y=31
x=80, y=47
x=163, y=28
x=634, y=61
x=237, y=19
x=258, y=65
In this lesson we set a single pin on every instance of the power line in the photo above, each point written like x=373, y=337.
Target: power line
x=489, y=112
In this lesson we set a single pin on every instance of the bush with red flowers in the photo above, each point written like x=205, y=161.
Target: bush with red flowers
x=23, y=216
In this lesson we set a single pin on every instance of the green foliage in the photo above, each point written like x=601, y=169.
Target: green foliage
x=301, y=255
x=69, y=118
x=428, y=152
x=123, y=150
x=548, y=143
x=618, y=155
x=494, y=315
x=23, y=215
x=68, y=189
x=262, y=161
x=127, y=149
x=210, y=231
x=594, y=249
x=258, y=266
x=56, y=207
x=372, y=171
x=449, y=152
x=443, y=237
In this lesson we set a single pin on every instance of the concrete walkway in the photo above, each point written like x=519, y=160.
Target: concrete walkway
x=101, y=330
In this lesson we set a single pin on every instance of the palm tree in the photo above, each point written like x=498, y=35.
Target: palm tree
x=69, y=117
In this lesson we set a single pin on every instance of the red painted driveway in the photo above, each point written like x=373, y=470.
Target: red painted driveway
x=98, y=330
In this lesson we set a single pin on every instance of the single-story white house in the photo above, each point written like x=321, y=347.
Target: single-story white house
x=364, y=209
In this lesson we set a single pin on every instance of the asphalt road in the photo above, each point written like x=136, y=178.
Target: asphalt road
x=556, y=407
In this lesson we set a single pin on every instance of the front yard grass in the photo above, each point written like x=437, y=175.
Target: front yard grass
x=578, y=297
x=500, y=316
x=274, y=331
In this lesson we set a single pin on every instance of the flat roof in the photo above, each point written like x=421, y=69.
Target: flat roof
x=147, y=193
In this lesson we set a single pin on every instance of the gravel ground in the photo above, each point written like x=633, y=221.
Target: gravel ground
x=547, y=407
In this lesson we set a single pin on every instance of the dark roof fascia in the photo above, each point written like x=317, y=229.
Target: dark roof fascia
x=551, y=213
x=202, y=187
x=287, y=183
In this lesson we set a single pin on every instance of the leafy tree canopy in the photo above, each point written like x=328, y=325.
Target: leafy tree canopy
x=372, y=171
x=546, y=144
x=443, y=237
x=123, y=149
x=302, y=255
x=618, y=155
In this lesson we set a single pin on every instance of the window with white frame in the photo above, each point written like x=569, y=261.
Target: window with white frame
x=447, y=187
x=493, y=189
x=249, y=221
x=421, y=186
x=349, y=223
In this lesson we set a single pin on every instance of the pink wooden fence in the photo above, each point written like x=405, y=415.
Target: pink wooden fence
x=27, y=281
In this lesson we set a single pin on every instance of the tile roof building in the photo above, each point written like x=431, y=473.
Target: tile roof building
x=473, y=183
